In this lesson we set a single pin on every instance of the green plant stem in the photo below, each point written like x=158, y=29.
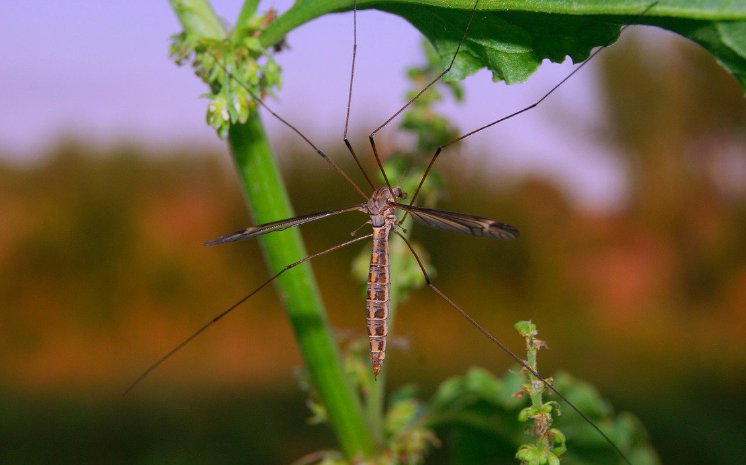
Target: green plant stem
x=247, y=11
x=537, y=387
x=375, y=401
x=268, y=201
x=198, y=18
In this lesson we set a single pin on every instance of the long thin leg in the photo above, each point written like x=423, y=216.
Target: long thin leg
x=349, y=95
x=320, y=152
x=225, y=312
x=422, y=91
x=499, y=120
x=516, y=113
x=507, y=350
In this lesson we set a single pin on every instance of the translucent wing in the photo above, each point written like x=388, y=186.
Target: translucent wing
x=277, y=226
x=461, y=223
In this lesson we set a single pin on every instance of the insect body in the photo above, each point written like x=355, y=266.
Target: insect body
x=381, y=207
x=383, y=218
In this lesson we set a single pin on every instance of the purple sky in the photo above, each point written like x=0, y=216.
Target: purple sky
x=99, y=71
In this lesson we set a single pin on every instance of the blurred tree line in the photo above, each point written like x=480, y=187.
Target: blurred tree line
x=101, y=269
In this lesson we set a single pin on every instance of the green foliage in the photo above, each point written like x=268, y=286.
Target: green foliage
x=477, y=413
x=513, y=45
x=512, y=38
x=725, y=40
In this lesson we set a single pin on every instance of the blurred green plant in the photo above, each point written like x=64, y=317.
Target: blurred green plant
x=480, y=417
x=239, y=71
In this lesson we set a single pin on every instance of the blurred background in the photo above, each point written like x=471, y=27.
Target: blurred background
x=629, y=187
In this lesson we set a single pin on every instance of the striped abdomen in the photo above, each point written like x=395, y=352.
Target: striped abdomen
x=377, y=300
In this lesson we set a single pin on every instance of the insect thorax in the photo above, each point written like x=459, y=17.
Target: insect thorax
x=381, y=205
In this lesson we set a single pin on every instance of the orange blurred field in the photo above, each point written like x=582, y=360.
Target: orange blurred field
x=101, y=271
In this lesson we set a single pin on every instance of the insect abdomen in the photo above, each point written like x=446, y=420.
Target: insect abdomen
x=377, y=297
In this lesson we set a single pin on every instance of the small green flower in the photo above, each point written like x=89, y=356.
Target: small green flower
x=237, y=72
x=218, y=115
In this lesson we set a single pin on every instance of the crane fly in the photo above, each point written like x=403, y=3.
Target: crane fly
x=381, y=206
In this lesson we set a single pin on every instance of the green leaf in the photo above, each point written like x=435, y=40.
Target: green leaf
x=479, y=430
x=525, y=414
x=483, y=384
x=525, y=328
x=400, y=415
x=511, y=45
x=511, y=38
x=586, y=444
x=583, y=395
x=448, y=392
x=478, y=391
x=726, y=41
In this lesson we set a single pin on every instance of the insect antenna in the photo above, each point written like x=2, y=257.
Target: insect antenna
x=508, y=351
